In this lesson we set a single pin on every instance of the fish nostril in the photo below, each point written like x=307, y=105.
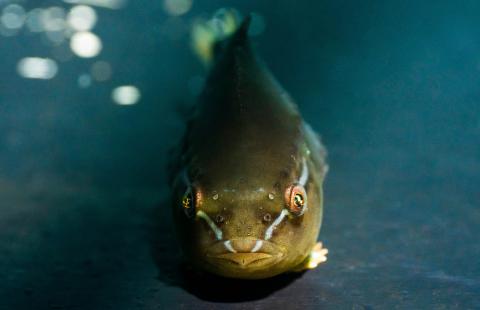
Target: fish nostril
x=219, y=219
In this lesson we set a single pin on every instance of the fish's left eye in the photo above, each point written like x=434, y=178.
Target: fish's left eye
x=296, y=199
x=188, y=203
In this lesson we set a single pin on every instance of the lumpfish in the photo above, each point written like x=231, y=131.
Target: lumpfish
x=247, y=178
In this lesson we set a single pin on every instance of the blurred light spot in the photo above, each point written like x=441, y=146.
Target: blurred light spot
x=257, y=25
x=101, y=71
x=177, y=7
x=109, y=4
x=85, y=44
x=53, y=18
x=195, y=85
x=126, y=95
x=37, y=68
x=84, y=81
x=13, y=16
x=34, y=20
x=82, y=18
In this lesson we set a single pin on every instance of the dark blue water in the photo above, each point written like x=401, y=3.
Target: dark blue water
x=393, y=88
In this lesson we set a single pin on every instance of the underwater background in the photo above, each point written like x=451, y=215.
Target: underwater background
x=92, y=97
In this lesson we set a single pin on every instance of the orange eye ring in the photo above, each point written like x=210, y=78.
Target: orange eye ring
x=296, y=199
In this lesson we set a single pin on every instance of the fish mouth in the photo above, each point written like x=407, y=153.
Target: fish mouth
x=265, y=255
x=244, y=259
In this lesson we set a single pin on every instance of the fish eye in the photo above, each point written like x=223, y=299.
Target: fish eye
x=267, y=217
x=188, y=203
x=296, y=199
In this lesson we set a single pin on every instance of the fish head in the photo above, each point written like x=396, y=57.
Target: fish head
x=249, y=223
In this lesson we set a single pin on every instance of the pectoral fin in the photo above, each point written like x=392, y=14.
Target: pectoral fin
x=317, y=256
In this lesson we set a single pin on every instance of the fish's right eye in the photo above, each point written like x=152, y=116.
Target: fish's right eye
x=188, y=203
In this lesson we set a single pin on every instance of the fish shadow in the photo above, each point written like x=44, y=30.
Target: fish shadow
x=217, y=289
x=173, y=271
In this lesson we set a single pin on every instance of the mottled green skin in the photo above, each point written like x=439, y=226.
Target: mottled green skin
x=245, y=140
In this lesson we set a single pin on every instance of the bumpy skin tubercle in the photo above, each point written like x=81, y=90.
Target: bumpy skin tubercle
x=247, y=179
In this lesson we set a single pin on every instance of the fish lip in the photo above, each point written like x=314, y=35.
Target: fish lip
x=270, y=254
x=245, y=259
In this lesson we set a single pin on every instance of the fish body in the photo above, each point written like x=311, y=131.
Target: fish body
x=247, y=178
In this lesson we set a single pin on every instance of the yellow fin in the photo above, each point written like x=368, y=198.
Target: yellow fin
x=317, y=256
x=207, y=33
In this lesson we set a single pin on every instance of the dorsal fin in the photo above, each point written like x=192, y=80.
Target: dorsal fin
x=241, y=34
x=211, y=37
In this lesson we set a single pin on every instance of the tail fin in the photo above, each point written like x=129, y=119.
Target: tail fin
x=209, y=35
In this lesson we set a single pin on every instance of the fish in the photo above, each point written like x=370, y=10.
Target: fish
x=247, y=177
